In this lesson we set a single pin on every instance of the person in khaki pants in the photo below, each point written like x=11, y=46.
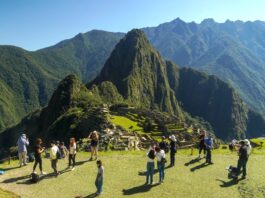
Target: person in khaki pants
x=22, y=144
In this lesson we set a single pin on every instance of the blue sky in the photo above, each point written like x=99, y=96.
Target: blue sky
x=34, y=24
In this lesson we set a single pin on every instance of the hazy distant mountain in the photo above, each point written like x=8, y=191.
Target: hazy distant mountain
x=27, y=79
x=234, y=51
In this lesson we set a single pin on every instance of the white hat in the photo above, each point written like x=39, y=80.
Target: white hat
x=173, y=138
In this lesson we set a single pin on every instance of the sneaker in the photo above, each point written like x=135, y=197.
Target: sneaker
x=73, y=168
x=43, y=173
x=34, y=172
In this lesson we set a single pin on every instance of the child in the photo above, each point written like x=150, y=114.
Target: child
x=99, y=179
x=54, y=158
x=72, y=153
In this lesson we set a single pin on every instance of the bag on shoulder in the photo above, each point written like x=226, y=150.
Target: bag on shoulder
x=151, y=154
x=58, y=154
x=163, y=160
x=34, y=178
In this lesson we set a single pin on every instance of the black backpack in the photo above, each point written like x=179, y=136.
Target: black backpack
x=31, y=157
x=58, y=154
x=34, y=178
x=151, y=154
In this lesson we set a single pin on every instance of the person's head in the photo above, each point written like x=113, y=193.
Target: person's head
x=57, y=142
x=61, y=143
x=95, y=135
x=173, y=138
x=163, y=138
x=38, y=141
x=23, y=135
x=157, y=149
x=242, y=143
x=99, y=163
x=53, y=143
x=72, y=141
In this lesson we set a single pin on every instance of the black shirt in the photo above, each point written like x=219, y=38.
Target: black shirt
x=163, y=145
x=173, y=146
x=243, y=153
x=36, y=149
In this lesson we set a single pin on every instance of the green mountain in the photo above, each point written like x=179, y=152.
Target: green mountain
x=233, y=51
x=27, y=79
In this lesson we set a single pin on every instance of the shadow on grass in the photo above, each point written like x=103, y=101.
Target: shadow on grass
x=79, y=163
x=91, y=195
x=15, y=179
x=229, y=183
x=143, y=173
x=203, y=165
x=11, y=168
x=193, y=161
x=138, y=189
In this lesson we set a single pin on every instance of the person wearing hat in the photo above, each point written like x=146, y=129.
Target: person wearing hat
x=173, y=149
x=243, y=154
x=22, y=144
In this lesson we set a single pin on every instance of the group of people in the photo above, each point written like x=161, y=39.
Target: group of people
x=159, y=152
x=59, y=151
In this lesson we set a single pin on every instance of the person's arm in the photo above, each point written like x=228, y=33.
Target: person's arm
x=27, y=142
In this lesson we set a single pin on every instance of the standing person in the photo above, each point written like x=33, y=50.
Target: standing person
x=63, y=150
x=209, y=145
x=163, y=145
x=94, y=144
x=38, y=150
x=99, y=178
x=173, y=150
x=150, y=164
x=161, y=160
x=243, y=154
x=72, y=153
x=54, y=157
x=22, y=144
x=202, y=146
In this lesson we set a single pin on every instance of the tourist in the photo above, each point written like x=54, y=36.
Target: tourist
x=22, y=144
x=161, y=160
x=99, y=178
x=209, y=146
x=150, y=164
x=163, y=145
x=63, y=150
x=54, y=157
x=94, y=144
x=38, y=150
x=243, y=154
x=72, y=153
x=202, y=146
x=173, y=149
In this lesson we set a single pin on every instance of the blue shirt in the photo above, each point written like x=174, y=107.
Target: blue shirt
x=208, y=142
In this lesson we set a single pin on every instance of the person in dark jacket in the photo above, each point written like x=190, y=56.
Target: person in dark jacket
x=173, y=149
x=243, y=154
x=163, y=145
x=208, y=141
x=202, y=146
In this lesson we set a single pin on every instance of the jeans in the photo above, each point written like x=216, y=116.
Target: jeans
x=150, y=172
x=208, y=156
x=22, y=158
x=242, y=164
x=38, y=160
x=72, y=159
x=202, y=148
x=161, y=171
x=172, y=158
x=54, y=165
x=99, y=184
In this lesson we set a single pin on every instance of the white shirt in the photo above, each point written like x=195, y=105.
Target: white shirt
x=54, y=151
x=72, y=149
x=159, y=155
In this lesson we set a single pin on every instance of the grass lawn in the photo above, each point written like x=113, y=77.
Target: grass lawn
x=126, y=123
x=124, y=178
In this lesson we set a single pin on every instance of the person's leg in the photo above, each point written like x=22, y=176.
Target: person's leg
x=159, y=171
x=100, y=185
x=152, y=168
x=55, y=166
x=163, y=172
x=239, y=166
x=35, y=164
x=171, y=158
x=40, y=164
x=92, y=152
x=174, y=158
x=70, y=160
x=244, y=165
x=20, y=158
x=148, y=172
x=25, y=158
x=74, y=160
x=210, y=156
x=96, y=152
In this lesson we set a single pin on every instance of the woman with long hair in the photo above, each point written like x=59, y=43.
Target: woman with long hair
x=38, y=150
x=94, y=144
x=72, y=153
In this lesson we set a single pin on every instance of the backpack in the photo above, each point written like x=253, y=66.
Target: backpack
x=151, y=154
x=58, y=154
x=34, y=178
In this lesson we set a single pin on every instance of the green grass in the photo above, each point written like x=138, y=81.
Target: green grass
x=122, y=178
x=126, y=123
x=259, y=141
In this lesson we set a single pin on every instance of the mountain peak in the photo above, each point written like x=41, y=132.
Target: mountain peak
x=208, y=21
